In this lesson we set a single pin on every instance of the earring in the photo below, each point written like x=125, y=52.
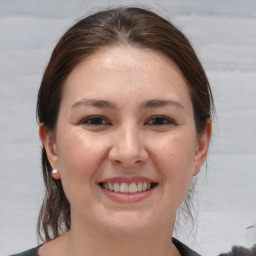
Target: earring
x=55, y=174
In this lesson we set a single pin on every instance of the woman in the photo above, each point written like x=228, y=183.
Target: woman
x=125, y=119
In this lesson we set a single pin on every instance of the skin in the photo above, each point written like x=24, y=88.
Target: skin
x=130, y=138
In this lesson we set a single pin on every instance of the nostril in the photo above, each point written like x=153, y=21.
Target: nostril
x=127, y=164
x=128, y=158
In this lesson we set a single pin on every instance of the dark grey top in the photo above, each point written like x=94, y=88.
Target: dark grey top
x=182, y=248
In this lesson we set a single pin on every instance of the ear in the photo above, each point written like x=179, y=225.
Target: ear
x=202, y=146
x=50, y=146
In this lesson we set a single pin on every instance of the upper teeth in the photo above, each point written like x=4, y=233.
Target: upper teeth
x=127, y=188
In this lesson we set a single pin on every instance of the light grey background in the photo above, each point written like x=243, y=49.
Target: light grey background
x=223, y=33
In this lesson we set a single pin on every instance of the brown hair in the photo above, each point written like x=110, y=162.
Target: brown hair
x=121, y=26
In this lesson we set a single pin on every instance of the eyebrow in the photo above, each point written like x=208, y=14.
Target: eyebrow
x=160, y=103
x=107, y=104
x=95, y=103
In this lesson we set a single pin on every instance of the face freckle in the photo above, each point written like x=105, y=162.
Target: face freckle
x=126, y=115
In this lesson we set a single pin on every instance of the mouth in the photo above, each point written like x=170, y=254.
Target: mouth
x=127, y=188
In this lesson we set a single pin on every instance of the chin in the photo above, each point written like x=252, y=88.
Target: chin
x=125, y=224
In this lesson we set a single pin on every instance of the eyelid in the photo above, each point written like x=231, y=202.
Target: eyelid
x=90, y=118
x=170, y=120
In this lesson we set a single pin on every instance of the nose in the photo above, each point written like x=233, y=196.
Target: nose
x=128, y=149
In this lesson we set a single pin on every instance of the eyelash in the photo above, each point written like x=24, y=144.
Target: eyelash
x=164, y=121
x=89, y=121
x=102, y=121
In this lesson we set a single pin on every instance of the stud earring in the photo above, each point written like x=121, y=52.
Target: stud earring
x=55, y=174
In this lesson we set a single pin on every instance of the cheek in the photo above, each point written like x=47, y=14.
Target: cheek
x=176, y=168
x=175, y=151
x=79, y=151
x=79, y=158
x=174, y=157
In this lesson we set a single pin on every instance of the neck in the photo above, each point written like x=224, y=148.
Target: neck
x=85, y=241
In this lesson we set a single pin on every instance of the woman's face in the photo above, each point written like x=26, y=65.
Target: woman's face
x=126, y=145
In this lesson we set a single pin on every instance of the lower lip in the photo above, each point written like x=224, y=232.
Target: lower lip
x=127, y=198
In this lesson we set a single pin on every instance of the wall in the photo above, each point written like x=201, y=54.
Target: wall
x=224, y=35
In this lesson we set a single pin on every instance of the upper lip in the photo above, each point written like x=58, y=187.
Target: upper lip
x=128, y=180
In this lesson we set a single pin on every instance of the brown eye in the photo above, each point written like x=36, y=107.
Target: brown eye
x=94, y=120
x=159, y=121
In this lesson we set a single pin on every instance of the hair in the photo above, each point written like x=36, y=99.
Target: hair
x=120, y=26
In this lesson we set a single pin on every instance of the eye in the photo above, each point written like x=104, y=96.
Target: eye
x=159, y=121
x=95, y=121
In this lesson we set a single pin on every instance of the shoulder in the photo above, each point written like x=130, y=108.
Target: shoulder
x=31, y=252
x=183, y=249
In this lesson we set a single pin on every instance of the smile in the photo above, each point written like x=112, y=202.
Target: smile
x=126, y=188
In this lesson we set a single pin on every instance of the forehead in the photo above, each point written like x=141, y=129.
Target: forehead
x=114, y=58
x=124, y=70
